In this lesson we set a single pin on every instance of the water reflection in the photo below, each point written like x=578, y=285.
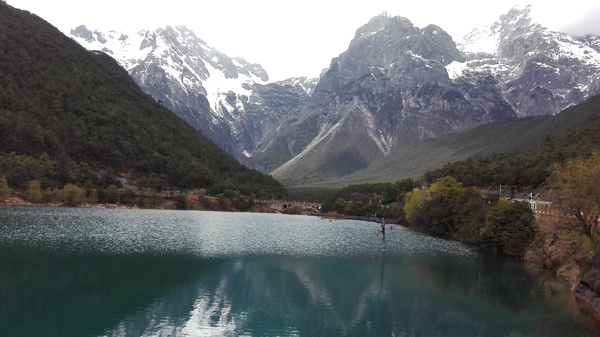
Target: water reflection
x=74, y=272
x=341, y=297
x=46, y=294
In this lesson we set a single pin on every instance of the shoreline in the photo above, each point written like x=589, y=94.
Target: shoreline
x=17, y=201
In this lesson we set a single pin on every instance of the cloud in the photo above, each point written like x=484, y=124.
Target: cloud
x=587, y=24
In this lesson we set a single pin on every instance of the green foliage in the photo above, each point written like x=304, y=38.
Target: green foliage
x=448, y=209
x=72, y=195
x=509, y=226
x=293, y=210
x=528, y=168
x=312, y=194
x=112, y=194
x=4, y=189
x=127, y=196
x=365, y=199
x=33, y=192
x=86, y=114
x=49, y=194
x=180, y=202
x=340, y=206
x=412, y=201
x=88, y=187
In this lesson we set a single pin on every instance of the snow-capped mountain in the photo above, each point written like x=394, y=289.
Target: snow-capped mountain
x=541, y=72
x=214, y=93
x=390, y=89
x=394, y=86
x=398, y=84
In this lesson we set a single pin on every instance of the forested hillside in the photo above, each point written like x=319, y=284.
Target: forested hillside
x=476, y=142
x=531, y=167
x=83, y=111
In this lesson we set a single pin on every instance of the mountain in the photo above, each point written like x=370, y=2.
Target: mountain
x=540, y=72
x=483, y=140
x=389, y=90
x=83, y=110
x=228, y=99
x=395, y=86
x=398, y=85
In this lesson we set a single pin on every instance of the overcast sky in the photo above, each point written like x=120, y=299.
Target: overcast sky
x=297, y=38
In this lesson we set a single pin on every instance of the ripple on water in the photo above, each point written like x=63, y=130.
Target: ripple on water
x=207, y=234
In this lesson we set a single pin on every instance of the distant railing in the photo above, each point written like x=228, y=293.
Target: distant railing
x=373, y=218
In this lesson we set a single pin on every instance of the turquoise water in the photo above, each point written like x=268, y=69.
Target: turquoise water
x=97, y=272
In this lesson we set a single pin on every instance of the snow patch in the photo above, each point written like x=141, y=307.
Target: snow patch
x=455, y=69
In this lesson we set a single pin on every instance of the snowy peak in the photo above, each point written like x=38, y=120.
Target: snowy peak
x=539, y=71
x=479, y=40
x=374, y=25
x=398, y=49
x=486, y=39
x=517, y=19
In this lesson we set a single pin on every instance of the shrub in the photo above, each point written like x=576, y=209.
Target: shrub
x=33, y=192
x=509, y=227
x=112, y=194
x=72, y=195
x=180, y=202
x=4, y=189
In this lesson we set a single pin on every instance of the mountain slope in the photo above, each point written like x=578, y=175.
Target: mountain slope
x=58, y=98
x=389, y=90
x=474, y=142
x=224, y=97
x=397, y=85
x=541, y=72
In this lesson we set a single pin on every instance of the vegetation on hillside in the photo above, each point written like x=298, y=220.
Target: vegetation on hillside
x=526, y=168
x=475, y=142
x=566, y=237
x=70, y=116
x=448, y=209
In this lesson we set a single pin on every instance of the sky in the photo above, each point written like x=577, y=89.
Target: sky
x=298, y=38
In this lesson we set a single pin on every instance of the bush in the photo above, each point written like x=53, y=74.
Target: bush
x=509, y=227
x=72, y=195
x=112, y=194
x=33, y=192
x=180, y=202
x=293, y=210
x=4, y=189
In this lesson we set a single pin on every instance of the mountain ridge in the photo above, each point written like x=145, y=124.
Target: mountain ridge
x=81, y=109
x=529, y=71
x=395, y=86
x=219, y=95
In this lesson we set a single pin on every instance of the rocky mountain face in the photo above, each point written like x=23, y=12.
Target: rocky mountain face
x=390, y=89
x=540, y=72
x=394, y=86
x=228, y=99
x=398, y=84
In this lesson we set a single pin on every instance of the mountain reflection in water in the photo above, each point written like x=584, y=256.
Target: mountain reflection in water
x=64, y=272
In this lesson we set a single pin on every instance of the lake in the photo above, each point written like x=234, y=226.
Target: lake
x=105, y=272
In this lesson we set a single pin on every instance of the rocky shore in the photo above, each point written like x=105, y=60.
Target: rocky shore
x=587, y=290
